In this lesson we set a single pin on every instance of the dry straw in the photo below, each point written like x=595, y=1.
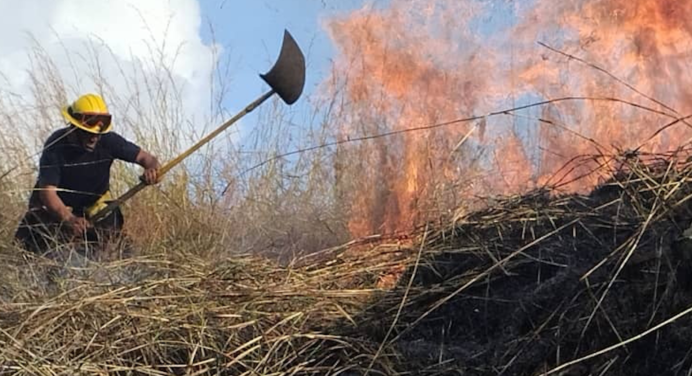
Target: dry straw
x=533, y=284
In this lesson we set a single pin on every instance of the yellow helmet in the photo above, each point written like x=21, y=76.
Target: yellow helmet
x=90, y=113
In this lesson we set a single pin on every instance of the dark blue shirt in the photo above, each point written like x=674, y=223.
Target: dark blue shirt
x=81, y=176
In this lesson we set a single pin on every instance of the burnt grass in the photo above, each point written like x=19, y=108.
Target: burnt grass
x=515, y=289
x=532, y=285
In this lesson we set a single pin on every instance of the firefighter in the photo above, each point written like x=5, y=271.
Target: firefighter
x=73, y=179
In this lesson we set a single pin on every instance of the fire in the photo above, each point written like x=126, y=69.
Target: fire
x=423, y=62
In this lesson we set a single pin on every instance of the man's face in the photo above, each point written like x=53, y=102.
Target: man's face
x=87, y=140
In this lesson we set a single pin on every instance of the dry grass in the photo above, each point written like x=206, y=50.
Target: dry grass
x=180, y=314
x=588, y=283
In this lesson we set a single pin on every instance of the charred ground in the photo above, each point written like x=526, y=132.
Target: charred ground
x=538, y=280
x=529, y=284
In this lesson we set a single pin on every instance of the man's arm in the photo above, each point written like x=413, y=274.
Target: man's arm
x=127, y=151
x=151, y=166
x=50, y=199
x=49, y=178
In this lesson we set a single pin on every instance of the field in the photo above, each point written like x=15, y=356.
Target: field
x=375, y=238
x=534, y=284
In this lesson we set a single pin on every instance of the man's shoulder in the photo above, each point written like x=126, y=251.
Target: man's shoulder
x=113, y=134
x=119, y=146
x=112, y=138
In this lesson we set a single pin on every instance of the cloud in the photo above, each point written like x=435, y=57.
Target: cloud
x=146, y=57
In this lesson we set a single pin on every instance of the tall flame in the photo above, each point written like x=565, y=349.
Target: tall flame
x=421, y=62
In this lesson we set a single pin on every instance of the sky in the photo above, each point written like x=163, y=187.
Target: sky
x=250, y=34
x=127, y=31
x=125, y=40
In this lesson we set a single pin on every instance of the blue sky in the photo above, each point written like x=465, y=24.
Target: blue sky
x=251, y=33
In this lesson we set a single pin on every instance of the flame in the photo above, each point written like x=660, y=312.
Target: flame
x=419, y=62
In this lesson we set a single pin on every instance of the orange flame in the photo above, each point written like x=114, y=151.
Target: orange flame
x=422, y=62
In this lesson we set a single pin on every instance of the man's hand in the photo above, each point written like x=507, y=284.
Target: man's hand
x=151, y=167
x=150, y=176
x=78, y=225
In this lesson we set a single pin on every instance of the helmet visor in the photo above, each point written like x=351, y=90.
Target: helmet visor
x=95, y=122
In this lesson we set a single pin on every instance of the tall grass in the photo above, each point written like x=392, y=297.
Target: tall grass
x=192, y=234
x=283, y=207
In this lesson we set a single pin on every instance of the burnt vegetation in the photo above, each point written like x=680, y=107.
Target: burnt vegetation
x=537, y=281
x=534, y=284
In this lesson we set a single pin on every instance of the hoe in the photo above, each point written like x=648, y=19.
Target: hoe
x=286, y=79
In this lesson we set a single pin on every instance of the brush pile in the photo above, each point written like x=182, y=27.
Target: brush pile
x=536, y=281
x=532, y=285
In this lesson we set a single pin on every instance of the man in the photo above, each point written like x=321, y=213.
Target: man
x=74, y=178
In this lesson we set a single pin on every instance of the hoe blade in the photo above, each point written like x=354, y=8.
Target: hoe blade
x=287, y=76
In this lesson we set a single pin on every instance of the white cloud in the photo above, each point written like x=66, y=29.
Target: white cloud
x=131, y=28
x=115, y=47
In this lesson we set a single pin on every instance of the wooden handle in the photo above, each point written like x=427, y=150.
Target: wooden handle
x=169, y=165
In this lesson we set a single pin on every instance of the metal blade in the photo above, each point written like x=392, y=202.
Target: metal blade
x=287, y=76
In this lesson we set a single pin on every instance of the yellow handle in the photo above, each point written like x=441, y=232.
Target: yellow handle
x=165, y=168
x=100, y=204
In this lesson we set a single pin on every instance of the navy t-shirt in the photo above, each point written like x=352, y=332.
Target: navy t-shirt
x=81, y=176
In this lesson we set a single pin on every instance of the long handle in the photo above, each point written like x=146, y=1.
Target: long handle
x=169, y=165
